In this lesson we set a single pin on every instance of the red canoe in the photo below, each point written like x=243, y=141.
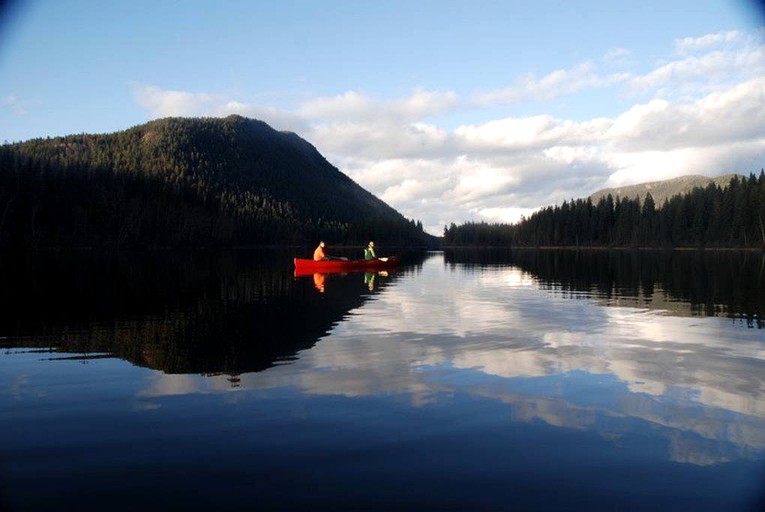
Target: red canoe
x=311, y=266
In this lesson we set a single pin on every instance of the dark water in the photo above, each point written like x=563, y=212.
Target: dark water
x=531, y=380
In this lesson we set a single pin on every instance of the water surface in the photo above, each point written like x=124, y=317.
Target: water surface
x=506, y=380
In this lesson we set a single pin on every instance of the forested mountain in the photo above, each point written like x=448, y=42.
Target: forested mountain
x=663, y=190
x=714, y=216
x=180, y=181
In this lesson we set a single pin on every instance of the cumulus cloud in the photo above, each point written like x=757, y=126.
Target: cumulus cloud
x=165, y=103
x=536, y=132
x=735, y=114
x=350, y=105
x=381, y=139
x=699, y=111
x=700, y=72
x=508, y=215
x=356, y=106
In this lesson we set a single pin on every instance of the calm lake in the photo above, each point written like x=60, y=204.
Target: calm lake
x=502, y=380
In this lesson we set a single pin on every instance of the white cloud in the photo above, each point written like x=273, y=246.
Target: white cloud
x=423, y=103
x=638, y=167
x=407, y=190
x=530, y=133
x=350, y=105
x=700, y=72
x=550, y=86
x=518, y=133
x=478, y=180
x=356, y=106
x=163, y=103
x=633, y=122
x=734, y=114
x=692, y=44
x=381, y=139
x=505, y=215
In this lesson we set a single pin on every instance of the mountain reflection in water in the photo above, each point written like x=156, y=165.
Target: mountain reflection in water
x=202, y=312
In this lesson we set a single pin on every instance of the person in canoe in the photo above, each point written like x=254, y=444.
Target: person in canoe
x=369, y=252
x=319, y=254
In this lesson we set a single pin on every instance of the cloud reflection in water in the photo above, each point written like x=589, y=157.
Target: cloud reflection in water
x=496, y=333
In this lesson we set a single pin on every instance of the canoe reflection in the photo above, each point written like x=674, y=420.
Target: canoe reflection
x=320, y=279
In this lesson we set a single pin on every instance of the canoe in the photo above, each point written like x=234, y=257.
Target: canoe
x=309, y=266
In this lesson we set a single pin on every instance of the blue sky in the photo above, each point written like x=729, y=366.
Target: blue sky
x=449, y=111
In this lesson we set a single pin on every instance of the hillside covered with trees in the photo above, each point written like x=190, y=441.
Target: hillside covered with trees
x=178, y=181
x=714, y=216
x=663, y=190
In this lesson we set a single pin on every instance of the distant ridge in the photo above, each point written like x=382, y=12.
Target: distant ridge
x=663, y=190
